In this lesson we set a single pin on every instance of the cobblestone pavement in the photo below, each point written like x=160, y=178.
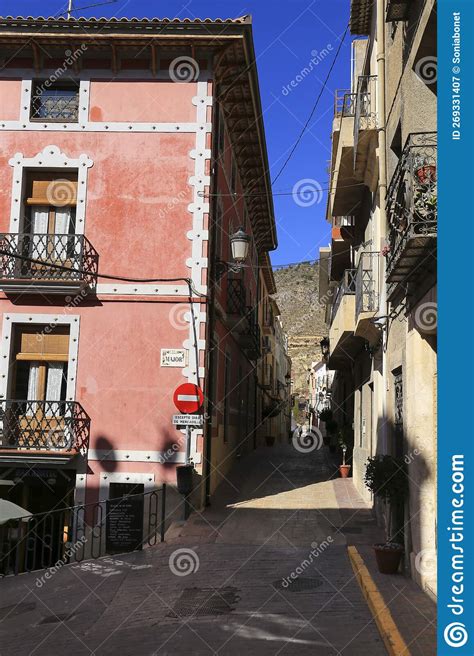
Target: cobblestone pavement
x=264, y=570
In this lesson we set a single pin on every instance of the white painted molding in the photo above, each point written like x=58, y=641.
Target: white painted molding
x=125, y=455
x=50, y=157
x=10, y=318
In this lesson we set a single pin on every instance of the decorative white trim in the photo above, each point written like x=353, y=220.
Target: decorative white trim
x=49, y=157
x=11, y=318
x=143, y=289
x=84, y=124
x=106, y=478
x=195, y=344
x=125, y=455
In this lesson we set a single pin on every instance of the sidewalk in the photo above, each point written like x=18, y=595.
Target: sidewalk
x=264, y=570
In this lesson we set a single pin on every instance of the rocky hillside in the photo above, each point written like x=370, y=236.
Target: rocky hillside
x=302, y=316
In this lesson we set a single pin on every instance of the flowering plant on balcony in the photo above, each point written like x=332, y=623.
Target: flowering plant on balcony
x=386, y=250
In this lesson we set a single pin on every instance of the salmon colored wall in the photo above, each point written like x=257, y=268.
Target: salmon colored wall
x=154, y=100
x=137, y=196
x=10, y=97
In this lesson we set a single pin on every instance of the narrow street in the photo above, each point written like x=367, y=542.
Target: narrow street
x=244, y=584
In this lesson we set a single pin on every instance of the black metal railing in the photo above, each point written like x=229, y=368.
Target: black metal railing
x=236, y=297
x=44, y=257
x=344, y=103
x=44, y=426
x=365, y=107
x=251, y=334
x=73, y=534
x=412, y=197
x=367, y=296
x=51, y=106
x=343, y=221
x=346, y=286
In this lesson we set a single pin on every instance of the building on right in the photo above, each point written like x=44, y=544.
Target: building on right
x=380, y=272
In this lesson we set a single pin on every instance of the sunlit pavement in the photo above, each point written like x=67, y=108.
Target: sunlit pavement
x=263, y=571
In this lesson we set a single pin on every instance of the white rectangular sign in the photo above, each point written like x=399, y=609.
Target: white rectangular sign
x=187, y=420
x=173, y=357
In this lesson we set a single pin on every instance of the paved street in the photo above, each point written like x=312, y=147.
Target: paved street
x=250, y=586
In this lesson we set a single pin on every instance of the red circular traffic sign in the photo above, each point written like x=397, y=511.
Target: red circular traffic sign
x=188, y=398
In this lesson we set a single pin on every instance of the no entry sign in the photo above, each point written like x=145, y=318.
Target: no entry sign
x=188, y=398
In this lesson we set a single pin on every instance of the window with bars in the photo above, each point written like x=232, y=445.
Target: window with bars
x=55, y=102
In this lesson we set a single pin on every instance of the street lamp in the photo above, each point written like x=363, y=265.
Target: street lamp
x=239, y=246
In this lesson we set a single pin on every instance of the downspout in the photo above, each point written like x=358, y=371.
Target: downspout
x=382, y=142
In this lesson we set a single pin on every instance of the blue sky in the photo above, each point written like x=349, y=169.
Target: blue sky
x=288, y=35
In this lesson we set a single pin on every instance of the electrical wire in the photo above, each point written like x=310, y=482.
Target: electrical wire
x=295, y=146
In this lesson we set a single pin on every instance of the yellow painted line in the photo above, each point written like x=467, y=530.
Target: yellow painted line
x=395, y=644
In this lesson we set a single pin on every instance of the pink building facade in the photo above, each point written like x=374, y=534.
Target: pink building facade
x=126, y=157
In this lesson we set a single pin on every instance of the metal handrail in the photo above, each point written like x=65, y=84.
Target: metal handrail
x=55, y=426
x=365, y=107
x=367, y=294
x=44, y=257
x=76, y=533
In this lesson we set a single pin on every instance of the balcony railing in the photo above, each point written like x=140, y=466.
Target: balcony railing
x=344, y=103
x=55, y=106
x=343, y=221
x=250, y=336
x=236, y=297
x=46, y=258
x=346, y=286
x=52, y=426
x=412, y=206
x=365, y=107
x=367, y=296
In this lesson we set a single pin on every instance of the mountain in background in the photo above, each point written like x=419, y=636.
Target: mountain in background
x=302, y=316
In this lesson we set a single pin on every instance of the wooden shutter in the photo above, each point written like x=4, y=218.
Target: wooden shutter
x=43, y=344
x=54, y=189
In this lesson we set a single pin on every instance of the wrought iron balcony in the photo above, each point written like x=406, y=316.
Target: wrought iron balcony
x=344, y=103
x=250, y=337
x=365, y=108
x=367, y=296
x=46, y=426
x=56, y=263
x=412, y=209
x=346, y=286
x=55, y=106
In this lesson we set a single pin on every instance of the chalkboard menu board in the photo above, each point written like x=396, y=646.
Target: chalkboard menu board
x=124, y=524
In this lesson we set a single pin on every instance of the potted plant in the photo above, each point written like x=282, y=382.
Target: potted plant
x=386, y=478
x=344, y=469
x=426, y=173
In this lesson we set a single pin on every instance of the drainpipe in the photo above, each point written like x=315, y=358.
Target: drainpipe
x=382, y=141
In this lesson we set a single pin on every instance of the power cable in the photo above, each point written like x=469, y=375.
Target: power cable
x=313, y=109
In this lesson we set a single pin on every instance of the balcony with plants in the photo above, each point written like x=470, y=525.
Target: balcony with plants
x=412, y=201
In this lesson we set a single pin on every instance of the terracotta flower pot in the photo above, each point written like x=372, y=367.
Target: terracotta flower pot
x=426, y=173
x=344, y=470
x=388, y=557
